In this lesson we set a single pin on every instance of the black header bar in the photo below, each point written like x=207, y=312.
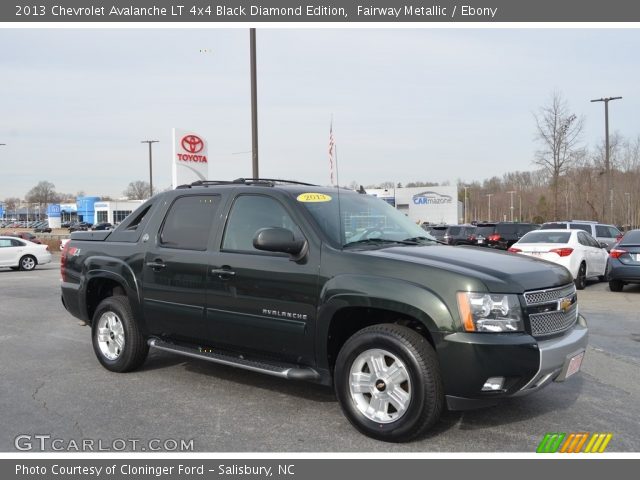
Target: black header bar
x=343, y=11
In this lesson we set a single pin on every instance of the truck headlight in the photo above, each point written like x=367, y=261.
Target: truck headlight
x=490, y=312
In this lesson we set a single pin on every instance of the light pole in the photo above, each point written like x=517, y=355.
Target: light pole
x=607, y=167
x=511, y=192
x=150, y=142
x=465, y=204
x=254, y=103
x=489, y=195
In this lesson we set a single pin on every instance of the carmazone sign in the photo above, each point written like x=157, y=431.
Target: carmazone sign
x=54, y=212
x=429, y=197
x=190, y=158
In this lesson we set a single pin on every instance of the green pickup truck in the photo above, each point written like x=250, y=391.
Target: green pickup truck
x=329, y=286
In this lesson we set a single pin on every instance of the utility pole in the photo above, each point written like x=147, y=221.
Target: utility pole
x=520, y=207
x=150, y=142
x=489, y=195
x=254, y=103
x=607, y=166
x=511, y=192
x=628, y=195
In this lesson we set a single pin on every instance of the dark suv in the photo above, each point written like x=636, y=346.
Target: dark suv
x=304, y=282
x=502, y=235
x=460, y=235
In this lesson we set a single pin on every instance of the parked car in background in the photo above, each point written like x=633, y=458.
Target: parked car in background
x=501, y=235
x=576, y=250
x=19, y=254
x=79, y=227
x=26, y=236
x=102, y=226
x=624, y=261
x=602, y=232
x=42, y=229
x=437, y=231
x=460, y=235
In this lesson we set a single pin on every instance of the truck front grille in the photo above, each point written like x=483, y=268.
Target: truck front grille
x=551, y=323
x=549, y=295
x=552, y=311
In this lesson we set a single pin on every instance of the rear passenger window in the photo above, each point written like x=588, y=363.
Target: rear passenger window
x=581, y=226
x=602, y=231
x=188, y=222
x=507, y=229
x=454, y=230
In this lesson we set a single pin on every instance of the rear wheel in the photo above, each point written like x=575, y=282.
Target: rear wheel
x=615, y=285
x=28, y=263
x=581, y=278
x=387, y=381
x=117, y=340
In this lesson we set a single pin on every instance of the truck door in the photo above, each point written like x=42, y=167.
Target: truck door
x=262, y=301
x=175, y=269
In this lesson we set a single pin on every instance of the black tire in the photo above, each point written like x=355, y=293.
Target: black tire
x=426, y=400
x=616, y=285
x=581, y=279
x=135, y=348
x=27, y=263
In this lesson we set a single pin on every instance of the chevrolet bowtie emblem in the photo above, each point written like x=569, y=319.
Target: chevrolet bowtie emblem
x=564, y=304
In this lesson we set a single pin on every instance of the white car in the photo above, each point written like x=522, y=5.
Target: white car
x=19, y=254
x=576, y=250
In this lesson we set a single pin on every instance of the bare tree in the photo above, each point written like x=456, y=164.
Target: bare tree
x=11, y=203
x=558, y=131
x=44, y=192
x=138, y=190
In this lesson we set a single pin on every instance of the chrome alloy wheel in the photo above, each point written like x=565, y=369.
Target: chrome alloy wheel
x=110, y=335
x=28, y=263
x=380, y=386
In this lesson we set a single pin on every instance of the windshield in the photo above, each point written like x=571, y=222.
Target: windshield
x=364, y=219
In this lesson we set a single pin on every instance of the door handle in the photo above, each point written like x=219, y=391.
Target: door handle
x=156, y=265
x=224, y=273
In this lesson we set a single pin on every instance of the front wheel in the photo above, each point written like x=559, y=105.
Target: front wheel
x=117, y=340
x=388, y=383
x=28, y=263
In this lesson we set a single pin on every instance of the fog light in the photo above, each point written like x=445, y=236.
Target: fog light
x=493, y=384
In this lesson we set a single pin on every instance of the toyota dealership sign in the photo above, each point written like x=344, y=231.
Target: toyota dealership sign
x=190, y=157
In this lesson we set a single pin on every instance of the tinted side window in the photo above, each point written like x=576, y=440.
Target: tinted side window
x=454, y=230
x=582, y=239
x=553, y=226
x=592, y=241
x=602, y=231
x=581, y=226
x=525, y=228
x=17, y=243
x=249, y=214
x=507, y=229
x=188, y=222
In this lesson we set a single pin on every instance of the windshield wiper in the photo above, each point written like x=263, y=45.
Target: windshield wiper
x=380, y=241
x=422, y=239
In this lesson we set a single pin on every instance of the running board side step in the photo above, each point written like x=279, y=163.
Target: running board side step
x=282, y=370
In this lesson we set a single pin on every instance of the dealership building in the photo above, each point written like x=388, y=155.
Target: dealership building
x=424, y=204
x=114, y=212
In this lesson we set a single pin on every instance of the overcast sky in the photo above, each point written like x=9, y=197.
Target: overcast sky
x=408, y=104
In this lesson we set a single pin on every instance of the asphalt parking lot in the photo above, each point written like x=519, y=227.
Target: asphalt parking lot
x=52, y=384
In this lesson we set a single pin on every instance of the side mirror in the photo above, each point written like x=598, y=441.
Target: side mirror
x=276, y=239
x=604, y=245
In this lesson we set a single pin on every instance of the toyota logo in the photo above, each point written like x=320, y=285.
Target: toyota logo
x=192, y=143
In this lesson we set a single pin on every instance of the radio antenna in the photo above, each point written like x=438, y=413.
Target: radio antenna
x=333, y=160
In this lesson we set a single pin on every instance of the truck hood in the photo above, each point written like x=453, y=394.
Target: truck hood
x=501, y=272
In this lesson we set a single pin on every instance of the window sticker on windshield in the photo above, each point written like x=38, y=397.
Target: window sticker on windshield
x=313, y=197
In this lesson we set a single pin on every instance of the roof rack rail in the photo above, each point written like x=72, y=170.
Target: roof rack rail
x=272, y=181
x=244, y=181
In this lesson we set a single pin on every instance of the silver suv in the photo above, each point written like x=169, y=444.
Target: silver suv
x=602, y=232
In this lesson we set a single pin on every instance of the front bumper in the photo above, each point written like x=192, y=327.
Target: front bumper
x=468, y=359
